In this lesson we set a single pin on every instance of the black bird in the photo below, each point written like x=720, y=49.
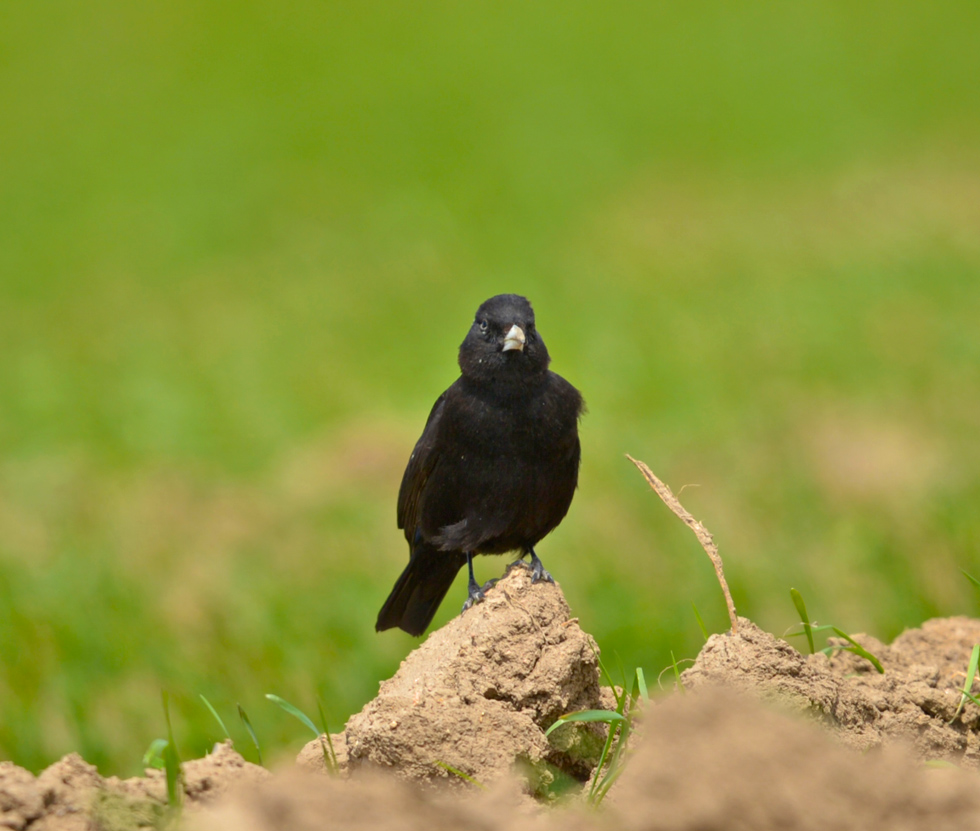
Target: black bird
x=495, y=468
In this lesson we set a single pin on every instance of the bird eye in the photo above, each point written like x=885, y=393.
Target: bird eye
x=484, y=325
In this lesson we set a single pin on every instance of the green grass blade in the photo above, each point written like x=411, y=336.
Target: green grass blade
x=216, y=717
x=294, y=711
x=616, y=765
x=625, y=685
x=616, y=761
x=464, y=776
x=940, y=763
x=697, y=614
x=801, y=609
x=857, y=649
x=607, y=746
x=331, y=761
x=596, y=782
x=971, y=697
x=171, y=760
x=615, y=728
x=153, y=758
x=971, y=673
x=606, y=716
x=634, y=689
x=677, y=672
x=329, y=757
x=824, y=627
x=641, y=680
x=971, y=578
x=248, y=726
x=607, y=783
x=620, y=698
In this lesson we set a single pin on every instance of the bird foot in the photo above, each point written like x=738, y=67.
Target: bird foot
x=477, y=594
x=539, y=573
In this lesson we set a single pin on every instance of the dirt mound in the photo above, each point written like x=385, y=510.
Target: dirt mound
x=304, y=801
x=709, y=761
x=478, y=694
x=916, y=701
x=70, y=795
x=717, y=760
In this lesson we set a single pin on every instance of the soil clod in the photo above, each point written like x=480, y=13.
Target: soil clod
x=479, y=693
x=915, y=702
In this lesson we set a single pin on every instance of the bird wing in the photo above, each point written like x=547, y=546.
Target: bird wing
x=420, y=465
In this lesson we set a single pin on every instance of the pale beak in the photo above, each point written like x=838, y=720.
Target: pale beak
x=514, y=339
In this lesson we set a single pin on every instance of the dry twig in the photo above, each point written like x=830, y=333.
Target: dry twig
x=702, y=533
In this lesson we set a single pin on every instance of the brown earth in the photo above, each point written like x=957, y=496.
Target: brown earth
x=72, y=796
x=831, y=744
x=503, y=671
x=915, y=702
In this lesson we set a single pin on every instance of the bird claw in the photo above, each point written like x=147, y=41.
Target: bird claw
x=539, y=574
x=472, y=600
x=478, y=594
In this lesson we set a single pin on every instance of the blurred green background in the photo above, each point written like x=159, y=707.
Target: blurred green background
x=241, y=242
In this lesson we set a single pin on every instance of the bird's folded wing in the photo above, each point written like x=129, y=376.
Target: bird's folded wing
x=424, y=458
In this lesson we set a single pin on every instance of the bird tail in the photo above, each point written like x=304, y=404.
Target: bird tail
x=423, y=584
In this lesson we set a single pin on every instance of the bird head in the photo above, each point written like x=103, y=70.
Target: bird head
x=503, y=342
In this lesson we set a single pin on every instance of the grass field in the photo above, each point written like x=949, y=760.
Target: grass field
x=239, y=247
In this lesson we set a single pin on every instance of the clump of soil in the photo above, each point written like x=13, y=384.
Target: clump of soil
x=70, y=795
x=304, y=801
x=714, y=760
x=719, y=760
x=916, y=701
x=479, y=693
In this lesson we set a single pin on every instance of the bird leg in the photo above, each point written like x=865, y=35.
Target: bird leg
x=538, y=571
x=476, y=591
